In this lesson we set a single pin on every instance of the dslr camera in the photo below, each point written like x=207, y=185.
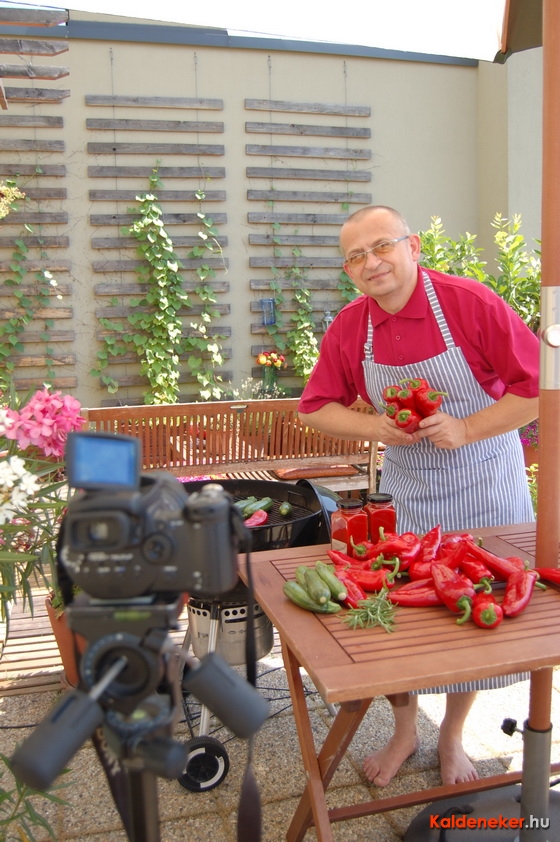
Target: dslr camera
x=127, y=534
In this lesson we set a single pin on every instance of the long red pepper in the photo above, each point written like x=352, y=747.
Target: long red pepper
x=455, y=589
x=475, y=570
x=430, y=544
x=407, y=420
x=549, y=574
x=428, y=401
x=421, y=594
x=354, y=593
x=405, y=547
x=372, y=580
x=519, y=589
x=501, y=568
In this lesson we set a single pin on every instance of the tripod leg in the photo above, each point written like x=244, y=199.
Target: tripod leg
x=143, y=806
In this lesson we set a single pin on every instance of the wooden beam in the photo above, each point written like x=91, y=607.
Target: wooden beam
x=33, y=71
x=23, y=47
x=308, y=107
x=33, y=17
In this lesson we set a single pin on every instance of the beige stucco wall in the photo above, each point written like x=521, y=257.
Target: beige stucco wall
x=442, y=144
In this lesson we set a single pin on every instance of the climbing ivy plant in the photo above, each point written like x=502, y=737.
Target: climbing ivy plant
x=32, y=293
x=154, y=329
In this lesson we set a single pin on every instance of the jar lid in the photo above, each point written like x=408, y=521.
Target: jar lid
x=380, y=498
x=349, y=503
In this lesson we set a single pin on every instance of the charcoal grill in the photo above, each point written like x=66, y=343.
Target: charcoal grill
x=222, y=625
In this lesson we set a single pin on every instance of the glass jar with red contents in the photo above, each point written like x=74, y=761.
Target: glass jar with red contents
x=348, y=521
x=380, y=513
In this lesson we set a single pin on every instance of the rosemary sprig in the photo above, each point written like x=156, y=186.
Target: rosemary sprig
x=376, y=610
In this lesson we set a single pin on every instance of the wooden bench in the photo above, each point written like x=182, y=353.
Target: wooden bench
x=193, y=439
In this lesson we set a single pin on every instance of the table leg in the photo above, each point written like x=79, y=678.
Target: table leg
x=312, y=808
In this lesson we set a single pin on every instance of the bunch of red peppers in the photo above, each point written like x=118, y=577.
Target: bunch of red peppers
x=440, y=569
x=410, y=401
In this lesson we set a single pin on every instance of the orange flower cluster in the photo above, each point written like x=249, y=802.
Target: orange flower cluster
x=272, y=359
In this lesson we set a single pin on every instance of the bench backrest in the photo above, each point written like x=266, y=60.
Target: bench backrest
x=192, y=436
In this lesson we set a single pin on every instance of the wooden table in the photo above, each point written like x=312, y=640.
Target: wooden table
x=351, y=667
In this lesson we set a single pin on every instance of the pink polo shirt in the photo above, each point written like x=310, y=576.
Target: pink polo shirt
x=501, y=351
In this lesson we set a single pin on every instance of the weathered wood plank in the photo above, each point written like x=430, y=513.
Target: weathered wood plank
x=121, y=312
x=52, y=95
x=301, y=262
x=292, y=240
x=140, y=289
x=155, y=149
x=54, y=336
x=299, y=218
x=128, y=380
x=162, y=195
x=216, y=263
x=19, y=145
x=309, y=152
x=167, y=218
x=307, y=107
x=33, y=71
x=263, y=285
x=221, y=331
x=131, y=242
x=42, y=313
x=55, y=170
x=155, y=125
x=32, y=241
x=156, y=102
x=163, y=172
x=26, y=360
x=51, y=265
x=31, y=120
x=308, y=196
x=305, y=130
x=132, y=358
x=39, y=218
x=25, y=47
x=41, y=193
x=67, y=382
x=33, y=17
x=300, y=173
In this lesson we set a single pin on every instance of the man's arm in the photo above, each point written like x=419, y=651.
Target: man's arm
x=507, y=414
x=334, y=419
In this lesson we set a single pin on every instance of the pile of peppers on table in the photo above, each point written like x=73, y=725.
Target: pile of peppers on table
x=441, y=569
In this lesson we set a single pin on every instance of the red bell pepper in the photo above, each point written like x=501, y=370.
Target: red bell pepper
x=407, y=420
x=406, y=399
x=486, y=612
x=421, y=594
x=389, y=394
x=257, y=519
x=428, y=401
x=354, y=593
x=415, y=383
x=455, y=590
x=519, y=589
x=391, y=409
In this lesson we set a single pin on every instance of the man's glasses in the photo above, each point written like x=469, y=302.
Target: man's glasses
x=381, y=248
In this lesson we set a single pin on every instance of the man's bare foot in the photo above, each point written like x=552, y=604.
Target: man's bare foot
x=382, y=766
x=456, y=768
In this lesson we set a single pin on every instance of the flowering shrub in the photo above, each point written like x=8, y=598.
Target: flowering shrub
x=529, y=434
x=9, y=193
x=33, y=490
x=272, y=359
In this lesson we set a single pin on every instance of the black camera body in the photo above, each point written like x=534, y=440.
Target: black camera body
x=127, y=534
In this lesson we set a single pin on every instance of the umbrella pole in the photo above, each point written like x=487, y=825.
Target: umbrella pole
x=538, y=728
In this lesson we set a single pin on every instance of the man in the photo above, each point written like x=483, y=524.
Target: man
x=464, y=467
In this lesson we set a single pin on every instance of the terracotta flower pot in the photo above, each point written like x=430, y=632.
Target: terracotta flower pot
x=67, y=642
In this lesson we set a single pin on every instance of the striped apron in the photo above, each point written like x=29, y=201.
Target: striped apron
x=477, y=485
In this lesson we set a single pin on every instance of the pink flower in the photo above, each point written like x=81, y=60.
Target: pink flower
x=45, y=422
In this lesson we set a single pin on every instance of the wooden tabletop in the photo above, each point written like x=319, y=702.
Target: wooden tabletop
x=427, y=648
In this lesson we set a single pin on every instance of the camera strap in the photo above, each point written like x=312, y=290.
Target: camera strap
x=249, y=814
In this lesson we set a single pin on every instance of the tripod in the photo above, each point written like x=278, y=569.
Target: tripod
x=128, y=702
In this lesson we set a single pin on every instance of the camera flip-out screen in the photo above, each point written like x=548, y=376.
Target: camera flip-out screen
x=103, y=460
